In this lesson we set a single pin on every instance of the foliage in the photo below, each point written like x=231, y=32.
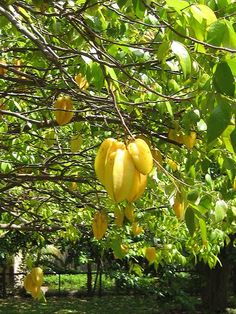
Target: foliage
x=130, y=68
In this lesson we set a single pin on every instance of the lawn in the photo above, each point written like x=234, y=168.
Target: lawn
x=103, y=305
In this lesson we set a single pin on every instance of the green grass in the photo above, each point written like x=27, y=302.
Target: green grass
x=73, y=282
x=103, y=305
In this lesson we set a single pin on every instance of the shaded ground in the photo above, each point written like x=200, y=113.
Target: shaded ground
x=104, y=305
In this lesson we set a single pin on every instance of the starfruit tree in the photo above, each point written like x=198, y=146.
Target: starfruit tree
x=161, y=73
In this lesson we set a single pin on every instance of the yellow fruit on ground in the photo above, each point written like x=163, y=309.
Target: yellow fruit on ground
x=119, y=217
x=129, y=212
x=81, y=81
x=136, y=228
x=35, y=292
x=75, y=143
x=99, y=225
x=150, y=254
x=28, y=282
x=2, y=69
x=139, y=185
x=63, y=116
x=190, y=140
x=123, y=175
x=178, y=206
x=141, y=155
x=37, y=276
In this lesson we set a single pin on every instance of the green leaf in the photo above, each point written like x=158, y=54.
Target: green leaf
x=233, y=139
x=226, y=137
x=189, y=219
x=184, y=58
x=163, y=50
x=232, y=64
x=215, y=33
x=220, y=210
x=121, y=3
x=221, y=33
x=177, y=5
x=202, y=225
x=218, y=121
x=139, y=8
x=224, y=80
x=5, y=166
x=203, y=14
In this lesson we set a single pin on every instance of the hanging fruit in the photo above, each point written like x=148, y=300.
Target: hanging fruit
x=99, y=225
x=150, y=254
x=178, y=206
x=116, y=168
x=81, y=81
x=63, y=116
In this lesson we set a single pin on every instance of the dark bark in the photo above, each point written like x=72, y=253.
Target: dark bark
x=89, y=279
x=215, y=283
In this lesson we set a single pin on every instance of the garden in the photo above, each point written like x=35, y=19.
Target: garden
x=117, y=156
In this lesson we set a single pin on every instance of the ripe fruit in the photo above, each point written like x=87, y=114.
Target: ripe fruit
x=136, y=229
x=101, y=158
x=179, y=206
x=116, y=168
x=73, y=186
x=37, y=276
x=124, y=248
x=81, y=81
x=139, y=185
x=2, y=69
x=33, y=282
x=173, y=165
x=174, y=136
x=150, y=254
x=99, y=225
x=75, y=143
x=141, y=155
x=190, y=140
x=64, y=103
x=28, y=282
x=123, y=175
x=35, y=292
x=129, y=212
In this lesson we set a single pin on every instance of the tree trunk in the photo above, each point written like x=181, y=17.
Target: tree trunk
x=89, y=279
x=215, y=283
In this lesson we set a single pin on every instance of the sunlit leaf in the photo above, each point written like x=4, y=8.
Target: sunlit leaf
x=220, y=210
x=183, y=56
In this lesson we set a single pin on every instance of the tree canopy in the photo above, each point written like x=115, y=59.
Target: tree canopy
x=160, y=70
